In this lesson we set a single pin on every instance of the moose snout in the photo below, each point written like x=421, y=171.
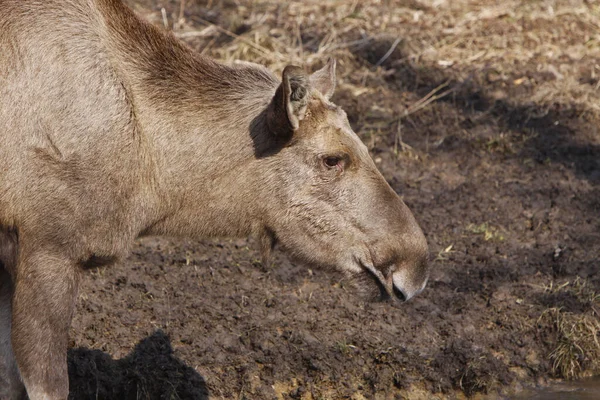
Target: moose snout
x=402, y=279
x=405, y=286
x=410, y=271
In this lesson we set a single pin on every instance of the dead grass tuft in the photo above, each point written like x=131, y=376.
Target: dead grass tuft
x=576, y=349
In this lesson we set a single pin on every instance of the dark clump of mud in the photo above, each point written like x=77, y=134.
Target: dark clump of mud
x=463, y=365
x=505, y=186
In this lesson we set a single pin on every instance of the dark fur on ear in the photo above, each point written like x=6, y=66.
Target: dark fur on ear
x=288, y=106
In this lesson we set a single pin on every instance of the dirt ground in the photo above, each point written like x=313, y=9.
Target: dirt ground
x=485, y=119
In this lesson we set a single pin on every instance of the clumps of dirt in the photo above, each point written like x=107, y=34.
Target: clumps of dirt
x=462, y=365
x=150, y=372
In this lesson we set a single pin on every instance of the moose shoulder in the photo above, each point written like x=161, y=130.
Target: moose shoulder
x=111, y=129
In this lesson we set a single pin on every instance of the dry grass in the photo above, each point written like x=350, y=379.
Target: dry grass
x=577, y=335
x=577, y=349
x=550, y=48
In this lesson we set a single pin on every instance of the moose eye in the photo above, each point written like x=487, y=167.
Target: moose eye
x=333, y=162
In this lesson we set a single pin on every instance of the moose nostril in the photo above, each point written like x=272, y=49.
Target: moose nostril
x=399, y=294
x=405, y=285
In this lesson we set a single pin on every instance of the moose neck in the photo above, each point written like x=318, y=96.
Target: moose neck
x=195, y=116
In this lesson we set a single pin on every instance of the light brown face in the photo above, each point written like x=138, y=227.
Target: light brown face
x=338, y=210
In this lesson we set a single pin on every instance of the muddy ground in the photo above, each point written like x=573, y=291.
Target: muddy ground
x=505, y=185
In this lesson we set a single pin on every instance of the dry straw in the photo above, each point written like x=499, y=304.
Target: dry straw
x=550, y=48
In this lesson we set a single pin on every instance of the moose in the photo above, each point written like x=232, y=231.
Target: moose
x=112, y=129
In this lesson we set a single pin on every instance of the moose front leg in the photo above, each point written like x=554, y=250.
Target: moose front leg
x=43, y=303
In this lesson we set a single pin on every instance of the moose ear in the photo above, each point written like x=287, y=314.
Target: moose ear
x=324, y=79
x=288, y=106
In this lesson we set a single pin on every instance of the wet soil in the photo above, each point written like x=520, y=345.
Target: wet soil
x=585, y=389
x=508, y=195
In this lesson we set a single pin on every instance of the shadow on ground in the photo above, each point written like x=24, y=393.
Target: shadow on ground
x=555, y=131
x=149, y=372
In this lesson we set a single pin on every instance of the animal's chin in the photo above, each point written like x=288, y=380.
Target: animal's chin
x=369, y=286
x=368, y=283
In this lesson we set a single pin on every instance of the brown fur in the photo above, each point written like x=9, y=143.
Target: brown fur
x=111, y=129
